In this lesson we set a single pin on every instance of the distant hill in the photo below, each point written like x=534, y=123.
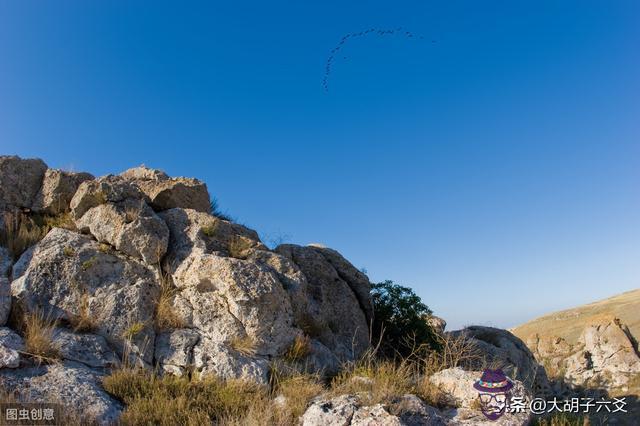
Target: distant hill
x=570, y=323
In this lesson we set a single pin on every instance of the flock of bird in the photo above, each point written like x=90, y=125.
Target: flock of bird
x=372, y=31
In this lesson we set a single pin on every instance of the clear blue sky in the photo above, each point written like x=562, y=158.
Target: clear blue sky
x=495, y=171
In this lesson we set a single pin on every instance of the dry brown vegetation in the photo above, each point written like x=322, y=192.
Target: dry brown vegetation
x=191, y=400
x=84, y=321
x=19, y=233
x=238, y=247
x=299, y=349
x=166, y=317
x=38, y=331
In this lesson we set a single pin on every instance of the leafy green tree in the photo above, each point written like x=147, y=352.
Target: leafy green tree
x=400, y=320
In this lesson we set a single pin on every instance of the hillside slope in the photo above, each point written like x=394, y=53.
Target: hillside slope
x=570, y=323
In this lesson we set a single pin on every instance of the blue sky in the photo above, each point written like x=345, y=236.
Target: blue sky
x=492, y=165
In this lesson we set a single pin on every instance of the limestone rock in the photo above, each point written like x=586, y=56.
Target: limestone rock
x=608, y=355
x=71, y=384
x=111, y=189
x=10, y=344
x=333, y=412
x=336, y=314
x=244, y=298
x=57, y=190
x=174, y=350
x=131, y=226
x=20, y=180
x=503, y=350
x=89, y=349
x=5, y=289
x=65, y=267
x=436, y=323
x=218, y=359
x=167, y=193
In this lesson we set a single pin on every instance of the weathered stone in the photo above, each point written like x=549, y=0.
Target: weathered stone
x=20, y=180
x=5, y=287
x=57, y=190
x=437, y=324
x=167, y=193
x=415, y=412
x=607, y=356
x=174, y=350
x=65, y=267
x=70, y=384
x=131, y=226
x=503, y=350
x=10, y=345
x=333, y=412
x=334, y=313
x=375, y=415
x=220, y=360
x=244, y=299
x=107, y=189
x=89, y=349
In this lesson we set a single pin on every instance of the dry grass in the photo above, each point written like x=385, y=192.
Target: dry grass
x=133, y=330
x=38, y=336
x=166, y=317
x=298, y=391
x=84, y=321
x=210, y=229
x=299, y=349
x=245, y=345
x=238, y=247
x=171, y=400
x=19, y=233
x=562, y=419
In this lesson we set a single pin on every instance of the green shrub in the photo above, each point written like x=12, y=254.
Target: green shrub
x=399, y=320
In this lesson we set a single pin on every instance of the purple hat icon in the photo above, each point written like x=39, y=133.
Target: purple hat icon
x=493, y=381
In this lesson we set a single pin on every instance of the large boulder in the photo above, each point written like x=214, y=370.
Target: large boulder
x=57, y=190
x=20, y=180
x=338, y=305
x=5, y=289
x=89, y=349
x=501, y=349
x=166, y=192
x=73, y=385
x=131, y=226
x=66, y=271
x=107, y=189
x=607, y=355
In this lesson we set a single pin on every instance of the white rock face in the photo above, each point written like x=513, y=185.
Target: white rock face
x=607, y=354
x=72, y=384
x=65, y=267
x=5, y=288
x=10, y=344
x=107, y=189
x=131, y=226
x=174, y=350
x=167, y=193
x=89, y=349
x=506, y=351
x=57, y=190
x=20, y=180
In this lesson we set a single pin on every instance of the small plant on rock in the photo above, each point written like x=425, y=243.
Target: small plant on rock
x=38, y=336
x=210, y=229
x=299, y=349
x=245, y=345
x=133, y=330
x=238, y=247
x=166, y=317
x=84, y=321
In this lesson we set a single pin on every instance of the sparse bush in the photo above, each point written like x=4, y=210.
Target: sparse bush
x=210, y=229
x=84, y=321
x=245, y=345
x=19, y=233
x=38, y=331
x=299, y=349
x=68, y=251
x=238, y=247
x=399, y=320
x=166, y=317
x=133, y=330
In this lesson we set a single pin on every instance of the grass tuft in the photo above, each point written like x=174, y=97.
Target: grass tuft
x=245, y=345
x=299, y=349
x=133, y=330
x=210, y=229
x=38, y=336
x=84, y=321
x=166, y=317
x=238, y=247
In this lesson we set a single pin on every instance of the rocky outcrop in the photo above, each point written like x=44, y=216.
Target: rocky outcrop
x=66, y=267
x=57, y=190
x=10, y=345
x=20, y=180
x=605, y=355
x=71, y=384
x=501, y=349
x=166, y=193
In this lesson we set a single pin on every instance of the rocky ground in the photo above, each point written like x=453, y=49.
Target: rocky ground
x=135, y=270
